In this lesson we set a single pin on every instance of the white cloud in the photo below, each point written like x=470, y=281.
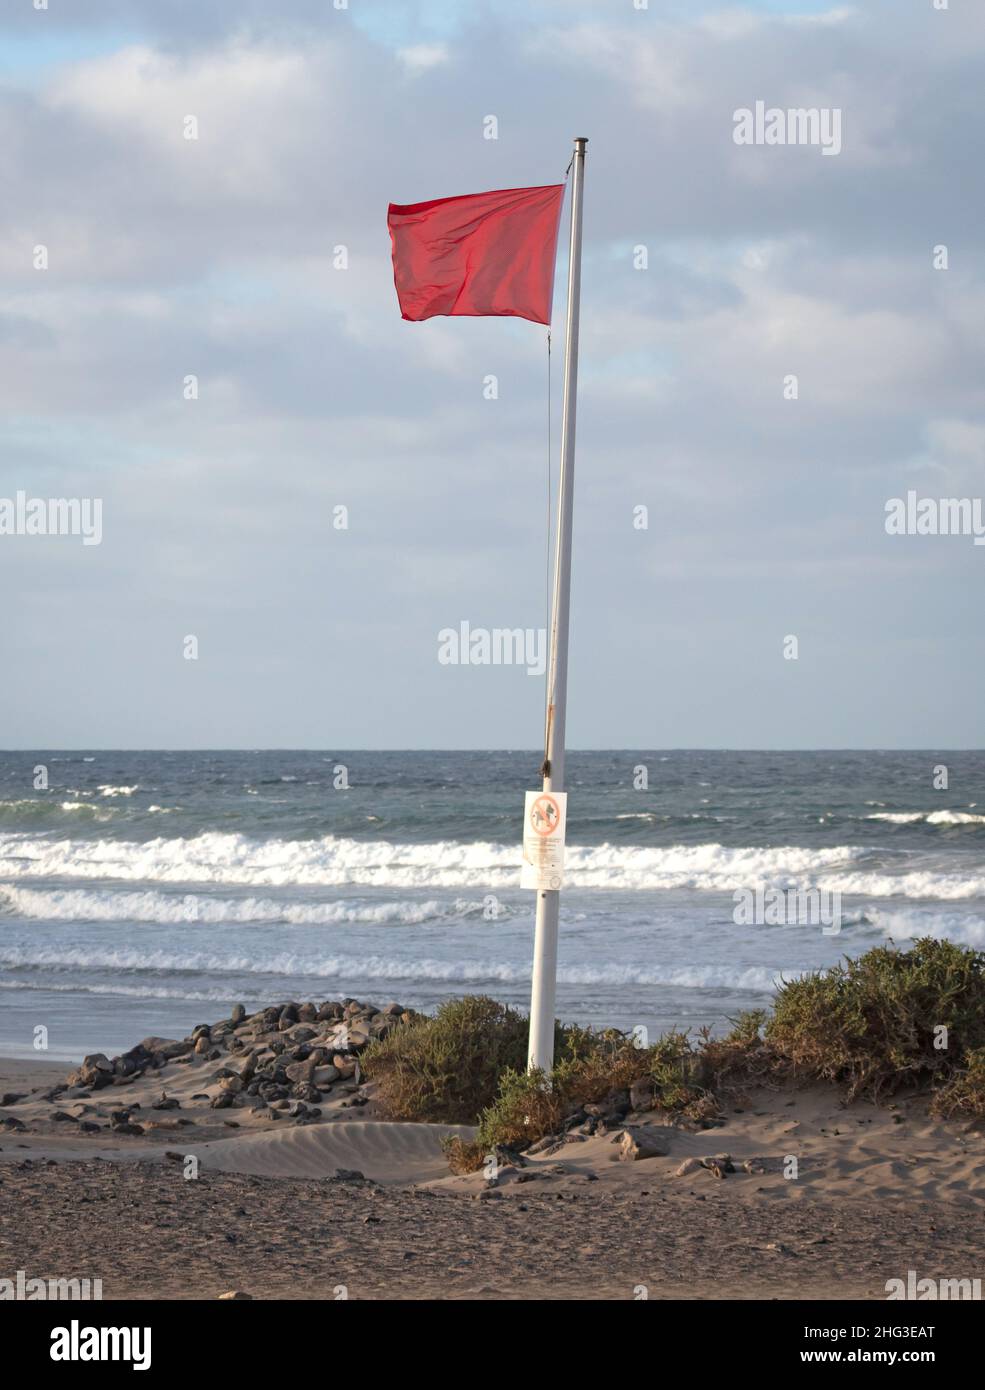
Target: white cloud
x=422, y=57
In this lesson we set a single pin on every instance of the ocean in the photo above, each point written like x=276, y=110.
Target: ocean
x=146, y=892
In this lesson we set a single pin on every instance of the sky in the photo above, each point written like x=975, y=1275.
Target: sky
x=216, y=258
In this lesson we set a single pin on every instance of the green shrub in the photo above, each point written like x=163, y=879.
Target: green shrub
x=464, y=1155
x=525, y=1110
x=446, y=1069
x=591, y=1066
x=747, y=1028
x=964, y=1094
x=870, y=1023
x=680, y=1074
x=742, y=1058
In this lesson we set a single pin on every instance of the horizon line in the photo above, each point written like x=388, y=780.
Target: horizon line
x=656, y=748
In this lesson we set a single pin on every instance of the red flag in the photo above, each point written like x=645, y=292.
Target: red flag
x=484, y=253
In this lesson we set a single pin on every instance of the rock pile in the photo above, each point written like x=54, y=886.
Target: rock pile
x=286, y=1057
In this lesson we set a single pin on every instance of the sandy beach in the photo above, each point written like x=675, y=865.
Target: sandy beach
x=355, y=1205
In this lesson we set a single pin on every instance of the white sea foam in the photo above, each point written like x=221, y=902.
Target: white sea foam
x=929, y=817
x=219, y=858
x=915, y=884
x=219, y=995
x=904, y=925
x=294, y=965
x=43, y=806
x=82, y=905
x=222, y=858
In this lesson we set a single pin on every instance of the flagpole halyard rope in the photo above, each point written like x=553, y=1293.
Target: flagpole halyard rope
x=547, y=592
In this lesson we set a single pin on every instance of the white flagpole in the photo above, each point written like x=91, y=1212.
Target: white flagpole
x=544, y=984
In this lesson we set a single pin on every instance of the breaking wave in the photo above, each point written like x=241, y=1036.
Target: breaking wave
x=905, y=926
x=331, y=966
x=928, y=817
x=81, y=905
x=220, y=858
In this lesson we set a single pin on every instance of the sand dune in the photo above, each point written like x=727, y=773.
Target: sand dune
x=387, y=1153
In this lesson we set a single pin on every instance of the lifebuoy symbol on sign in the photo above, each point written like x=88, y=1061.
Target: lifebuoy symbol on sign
x=545, y=815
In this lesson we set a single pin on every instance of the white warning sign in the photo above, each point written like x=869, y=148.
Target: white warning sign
x=544, y=816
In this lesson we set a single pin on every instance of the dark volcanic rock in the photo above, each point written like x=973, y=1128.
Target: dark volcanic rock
x=96, y=1071
x=642, y=1094
x=127, y=1128
x=642, y=1143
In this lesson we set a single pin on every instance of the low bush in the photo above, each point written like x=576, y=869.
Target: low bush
x=964, y=1094
x=593, y=1069
x=874, y=1024
x=446, y=1069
